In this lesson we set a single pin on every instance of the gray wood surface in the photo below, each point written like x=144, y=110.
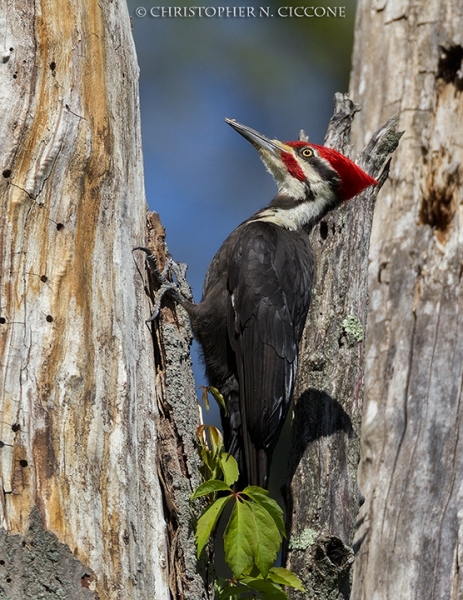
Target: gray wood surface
x=323, y=494
x=78, y=405
x=407, y=61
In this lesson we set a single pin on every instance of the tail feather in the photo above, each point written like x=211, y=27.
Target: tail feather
x=257, y=463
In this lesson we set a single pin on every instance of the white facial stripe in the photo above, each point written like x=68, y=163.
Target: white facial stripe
x=298, y=216
x=310, y=173
x=287, y=183
x=290, y=186
x=282, y=178
x=304, y=210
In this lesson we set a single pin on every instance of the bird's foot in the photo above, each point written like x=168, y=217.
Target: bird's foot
x=180, y=292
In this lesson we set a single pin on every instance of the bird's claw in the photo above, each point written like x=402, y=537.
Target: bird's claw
x=179, y=270
x=179, y=292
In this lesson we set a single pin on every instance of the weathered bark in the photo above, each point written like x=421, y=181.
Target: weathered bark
x=323, y=494
x=178, y=456
x=78, y=440
x=408, y=61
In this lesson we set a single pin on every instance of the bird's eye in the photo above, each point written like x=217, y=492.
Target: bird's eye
x=307, y=152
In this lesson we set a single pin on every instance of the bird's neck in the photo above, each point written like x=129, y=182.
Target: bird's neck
x=293, y=214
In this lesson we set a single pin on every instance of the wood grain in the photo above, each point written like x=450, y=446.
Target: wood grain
x=407, y=61
x=77, y=389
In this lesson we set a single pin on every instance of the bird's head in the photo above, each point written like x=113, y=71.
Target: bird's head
x=311, y=179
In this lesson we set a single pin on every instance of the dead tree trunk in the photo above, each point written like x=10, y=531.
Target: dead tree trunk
x=178, y=456
x=323, y=494
x=408, y=61
x=81, y=505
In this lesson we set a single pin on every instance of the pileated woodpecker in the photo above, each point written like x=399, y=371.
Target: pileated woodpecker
x=257, y=293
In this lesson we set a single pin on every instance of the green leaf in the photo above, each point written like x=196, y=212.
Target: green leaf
x=240, y=539
x=209, y=487
x=216, y=439
x=218, y=398
x=205, y=456
x=285, y=577
x=210, y=438
x=207, y=522
x=268, y=589
x=205, y=396
x=229, y=468
x=255, y=489
x=229, y=591
x=268, y=538
x=260, y=496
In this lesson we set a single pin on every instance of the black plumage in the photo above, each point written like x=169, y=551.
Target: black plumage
x=255, y=300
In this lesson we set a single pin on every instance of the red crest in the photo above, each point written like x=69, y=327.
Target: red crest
x=353, y=179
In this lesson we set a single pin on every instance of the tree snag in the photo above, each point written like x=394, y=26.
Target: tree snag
x=408, y=61
x=78, y=412
x=323, y=494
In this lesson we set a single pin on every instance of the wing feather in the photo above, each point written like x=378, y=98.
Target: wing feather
x=269, y=280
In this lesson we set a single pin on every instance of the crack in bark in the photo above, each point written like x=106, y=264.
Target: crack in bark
x=178, y=458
